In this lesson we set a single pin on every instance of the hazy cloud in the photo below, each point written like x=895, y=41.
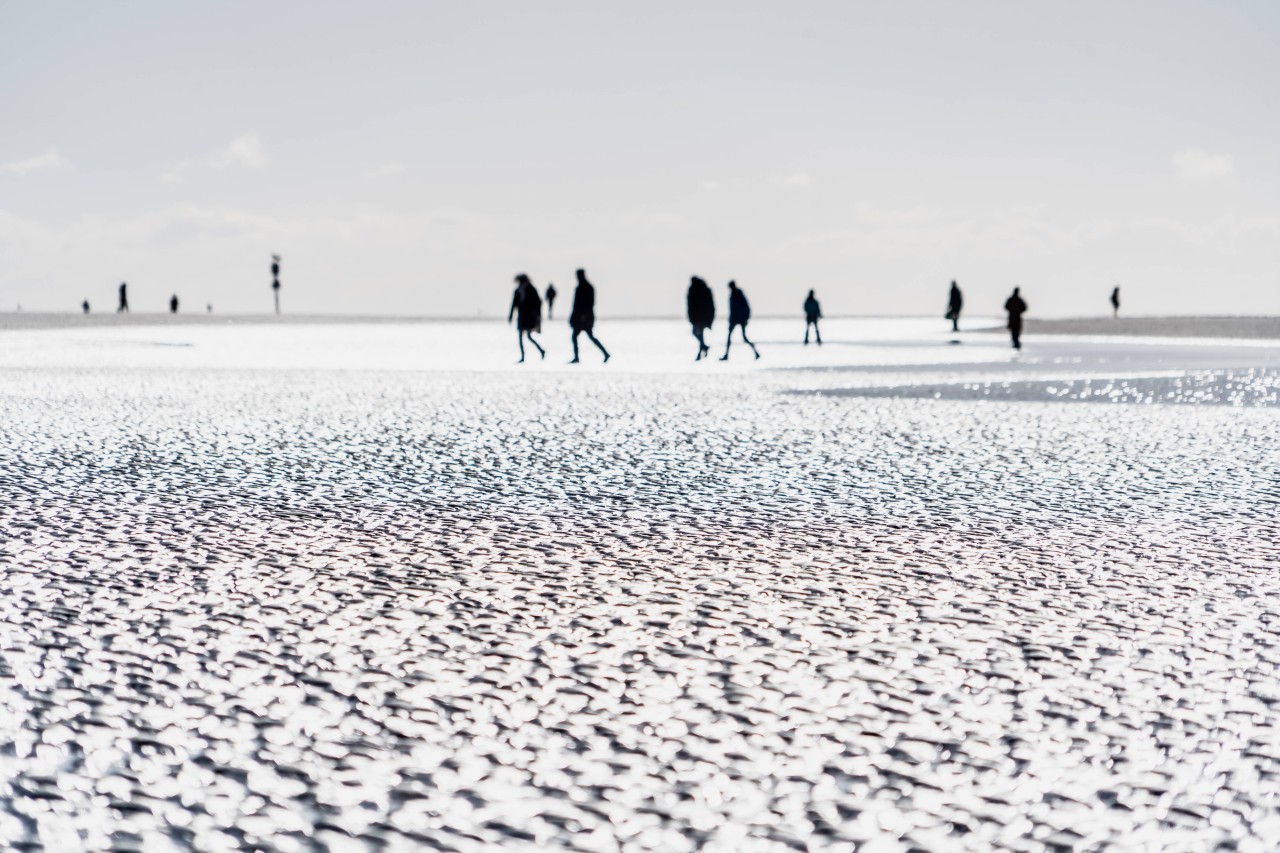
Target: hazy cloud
x=244, y=151
x=50, y=159
x=387, y=170
x=797, y=179
x=1196, y=165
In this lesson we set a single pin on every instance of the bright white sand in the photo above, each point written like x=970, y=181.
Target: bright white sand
x=375, y=587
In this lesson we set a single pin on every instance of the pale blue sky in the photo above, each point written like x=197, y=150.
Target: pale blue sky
x=411, y=157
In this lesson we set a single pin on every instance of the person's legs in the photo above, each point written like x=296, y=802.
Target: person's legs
x=603, y=351
x=807, y=324
x=955, y=322
x=541, y=352
x=520, y=340
x=1015, y=331
x=698, y=332
x=748, y=340
x=817, y=333
x=727, y=342
x=574, y=338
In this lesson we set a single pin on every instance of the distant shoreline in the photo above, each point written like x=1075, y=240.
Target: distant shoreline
x=1254, y=328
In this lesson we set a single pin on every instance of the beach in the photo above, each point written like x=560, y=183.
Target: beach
x=372, y=586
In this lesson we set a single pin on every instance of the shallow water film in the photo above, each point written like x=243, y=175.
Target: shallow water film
x=368, y=610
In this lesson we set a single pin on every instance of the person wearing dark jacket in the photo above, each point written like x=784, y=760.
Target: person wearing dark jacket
x=582, y=318
x=1016, y=307
x=739, y=314
x=955, y=301
x=812, y=313
x=526, y=308
x=702, y=313
x=124, y=298
x=551, y=301
x=1115, y=301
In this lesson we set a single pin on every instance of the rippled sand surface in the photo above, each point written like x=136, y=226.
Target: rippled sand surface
x=837, y=606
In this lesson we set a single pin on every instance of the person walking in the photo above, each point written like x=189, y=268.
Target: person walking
x=551, y=301
x=812, y=313
x=702, y=313
x=955, y=301
x=85, y=306
x=526, y=308
x=1016, y=306
x=123, y=307
x=582, y=317
x=173, y=304
x=1115, y=302
x=275, y=281
x=739, y=314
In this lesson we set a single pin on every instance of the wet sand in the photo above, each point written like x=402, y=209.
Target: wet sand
x=256, y=595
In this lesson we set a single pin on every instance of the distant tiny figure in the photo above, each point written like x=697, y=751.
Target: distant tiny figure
x=275, y=280
x=1016, y=308
x=526, y=308
x=551, y=301
x=85, y=306
x=702, y=313
x=173, y=304
x=812, y=314
x=955, y=302
x=1115, y=301
x=209, y=308
x=582, y=317
x=739, y=314
x=124, y=298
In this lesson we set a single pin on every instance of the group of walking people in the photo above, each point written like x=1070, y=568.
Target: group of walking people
x=526, y=311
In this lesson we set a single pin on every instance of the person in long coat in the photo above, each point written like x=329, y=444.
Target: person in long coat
x=702, y=313
x=739, y=314
x=955, y=301
x=1115, y=301
x=812, y=314
x=1016, y=306
x=582, y=317
x=526, y=308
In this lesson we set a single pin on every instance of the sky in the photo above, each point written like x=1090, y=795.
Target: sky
x=411, y=158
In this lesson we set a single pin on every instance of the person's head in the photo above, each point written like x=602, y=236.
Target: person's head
x=522, y=280
x=581, y=274
x=810, y=294
x=1015, y=291
x=696, y=281
x=953, y=283
x=733, y=285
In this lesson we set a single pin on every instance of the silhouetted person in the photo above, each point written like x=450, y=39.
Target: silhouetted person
x=955, y=302
x=526, y=308
x=275, y=280
x=551, y=301
x=1115, y=302
x=582, y=317
x=85, y=306
x=1016, y=308
x=124, y=298
x=209, y=308
x=812, y=314
x=739, y=314
x=173, y=304
x=702, y=313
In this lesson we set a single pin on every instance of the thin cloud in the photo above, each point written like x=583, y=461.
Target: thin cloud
x=50, y=159
x=1196, y=165
x=797, y=179
x=388, y=170
x=245, y=151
